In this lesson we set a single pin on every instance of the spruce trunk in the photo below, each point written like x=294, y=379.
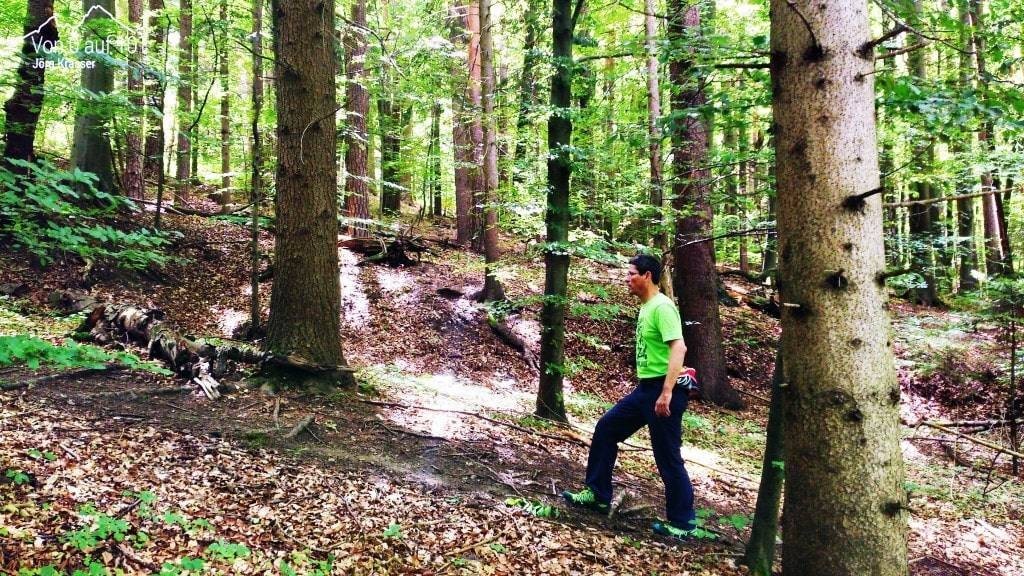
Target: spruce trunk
x=305, y=300
x=845, y=503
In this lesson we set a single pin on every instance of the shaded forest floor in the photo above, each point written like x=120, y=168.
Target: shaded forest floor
x=433, y=464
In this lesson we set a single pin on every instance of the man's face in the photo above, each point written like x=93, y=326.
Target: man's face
x=637, y=282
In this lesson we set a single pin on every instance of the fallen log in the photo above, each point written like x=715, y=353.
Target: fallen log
x=978, y=441
x=185, y=356
x=391, y=251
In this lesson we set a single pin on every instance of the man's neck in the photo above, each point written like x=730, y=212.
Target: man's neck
x=651, y=292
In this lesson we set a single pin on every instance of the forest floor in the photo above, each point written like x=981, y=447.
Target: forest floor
x=433, y=463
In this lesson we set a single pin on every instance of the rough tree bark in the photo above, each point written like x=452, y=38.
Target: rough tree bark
x=156, y=58
x=550, y=403
x=90, y=149
x=695, y=279
x=305, y=300
x=183, y=172
x=23, y=107
x=255, y=318
x=844, y=497
x=134, y=179
x=493, y=291
x=357, y=103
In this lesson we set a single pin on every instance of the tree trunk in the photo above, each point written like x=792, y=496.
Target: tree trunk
x=186, y=86
x=696, y=281
x=657, y=196
x=225, y=114
x=156, y=59
x=990, y=210
x=90, y=150
x=305, y=300
x=435, y=160
x=527, y=90
x=844, y=497
x=922, y=222
x=389, y=117
x=22, y=109
x=493, y=290
x=255, y=319
x=462, y=139
x=760, y=551
x=961, y=148
x=550, y=403
x=134, y=179
x=476, y=131
x=357, y=99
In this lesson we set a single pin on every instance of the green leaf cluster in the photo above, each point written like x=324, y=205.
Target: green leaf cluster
x=54, y=213
x=35, y=352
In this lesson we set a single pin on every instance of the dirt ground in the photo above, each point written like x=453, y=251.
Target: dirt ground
x=425, y=467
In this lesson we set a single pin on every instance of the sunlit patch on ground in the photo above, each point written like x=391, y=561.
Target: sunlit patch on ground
x=355, y=307
x=228, y=320
x=397, y=285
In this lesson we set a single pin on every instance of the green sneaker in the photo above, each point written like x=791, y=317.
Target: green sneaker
x=674, y=532
x=585, y=499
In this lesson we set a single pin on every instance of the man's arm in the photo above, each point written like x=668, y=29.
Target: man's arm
x=676, y=354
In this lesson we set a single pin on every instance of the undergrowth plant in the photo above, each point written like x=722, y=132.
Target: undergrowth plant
x=35, y=352
x=53, y=213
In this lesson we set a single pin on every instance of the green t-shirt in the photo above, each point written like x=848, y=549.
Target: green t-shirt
x=657, y=324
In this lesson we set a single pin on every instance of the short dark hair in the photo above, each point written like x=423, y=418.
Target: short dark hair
x=646, y=263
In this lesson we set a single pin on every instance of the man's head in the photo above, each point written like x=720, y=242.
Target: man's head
x=644, y=275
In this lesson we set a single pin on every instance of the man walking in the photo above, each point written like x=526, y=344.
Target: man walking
x=657, y=402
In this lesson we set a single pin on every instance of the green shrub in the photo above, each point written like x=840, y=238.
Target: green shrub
x=52, y=212
x=35, y=352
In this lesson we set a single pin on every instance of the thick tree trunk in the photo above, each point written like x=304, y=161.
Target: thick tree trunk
x=695, y=280
x=550, y=403
x=255, y=318
x=845, y=503
x=305, y=301
x=225, y=114
x=760, y=551
x=357, y=102
x=186, y=86
x=493, y=290
x=654, y=136
x=22, y=109
x=90, y=150
x=134, y=180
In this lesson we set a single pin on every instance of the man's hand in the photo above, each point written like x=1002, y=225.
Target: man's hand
x=661, y=406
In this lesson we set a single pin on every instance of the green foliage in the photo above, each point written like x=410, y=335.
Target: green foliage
x=99, y=528
x=394, y=530
x=227, y=551
x=41, y=455
x=17, y=477
x=534, y=507
x=35, y=352
x=53, y=213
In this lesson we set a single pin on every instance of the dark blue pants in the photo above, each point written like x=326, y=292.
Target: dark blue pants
x=621, y=422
